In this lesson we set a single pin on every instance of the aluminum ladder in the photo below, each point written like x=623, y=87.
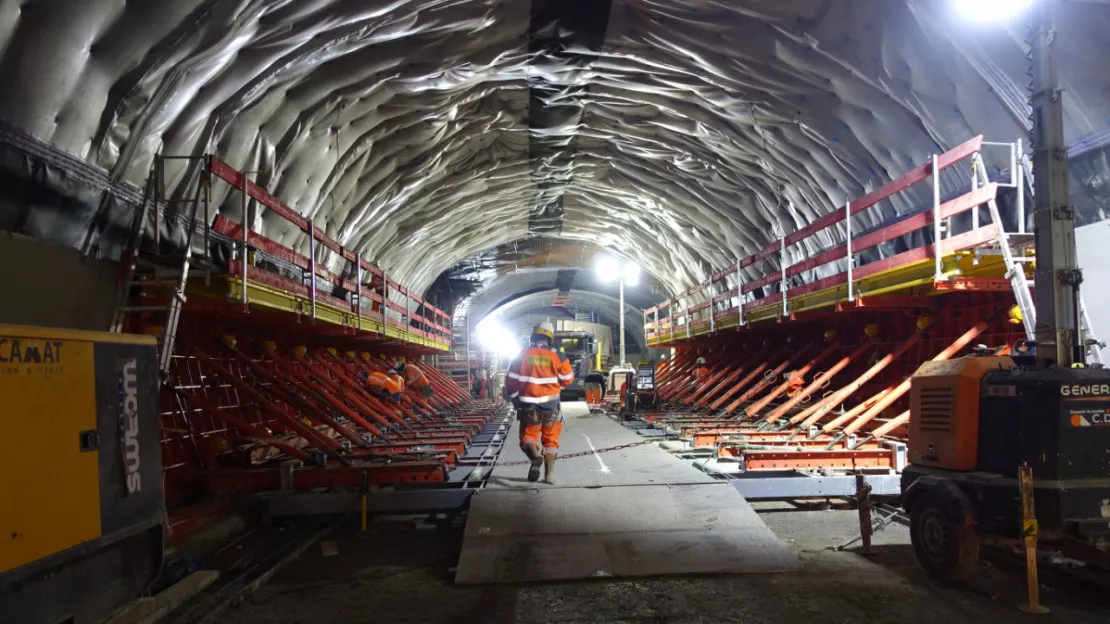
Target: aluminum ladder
x=155, y=276
x=1010, y=243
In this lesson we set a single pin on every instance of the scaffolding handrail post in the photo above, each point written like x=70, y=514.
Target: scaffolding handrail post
x=739, y=296
x=246, y=241
x=1019, y=182
x=782, y=267
x=356, y=300
x=938, y=252
x=385, y=305
x=848, y=224
x=312, y=269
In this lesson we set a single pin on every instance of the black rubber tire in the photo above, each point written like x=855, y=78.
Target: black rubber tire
x=944, y=540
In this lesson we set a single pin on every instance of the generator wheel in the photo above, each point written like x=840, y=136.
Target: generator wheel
x=943, y=537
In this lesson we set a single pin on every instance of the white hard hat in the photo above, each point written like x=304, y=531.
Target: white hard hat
x=545, y=328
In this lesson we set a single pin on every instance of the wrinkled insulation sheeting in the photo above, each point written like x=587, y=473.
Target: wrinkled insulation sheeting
x=407, y=129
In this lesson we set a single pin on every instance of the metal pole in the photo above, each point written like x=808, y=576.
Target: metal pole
x=207, y=181
x=1019, y=182
x=782, y=267
x=848, y=222
x=159, y=197
x=712, y=310
x=1058, y=276
x=976, y=164
x=739, y=297
x=938, y=273
x=385, y=309
x=622, y=320
x=358, y=290
x=312, y=269
x=246, y=240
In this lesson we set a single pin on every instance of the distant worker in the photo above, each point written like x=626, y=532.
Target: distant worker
x=383, y=385
x=595, y=381
x=414, y=378
x=478, y=386
x=701, y=373
x=533, y=382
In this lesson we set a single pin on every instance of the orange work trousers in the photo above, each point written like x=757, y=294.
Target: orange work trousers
x=540, y=429
x=593, y=394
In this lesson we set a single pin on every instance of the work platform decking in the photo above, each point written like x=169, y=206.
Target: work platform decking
x=638, y=511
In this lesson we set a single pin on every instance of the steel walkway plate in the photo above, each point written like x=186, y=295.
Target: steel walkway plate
x=633, y=512
x=585, y=432
x=561, y=534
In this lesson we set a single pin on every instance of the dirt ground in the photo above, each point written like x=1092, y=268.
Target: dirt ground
x=403, y=574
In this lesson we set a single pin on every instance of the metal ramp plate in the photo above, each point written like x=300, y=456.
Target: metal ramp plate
x=560, y=534
x=585, y=433
x=637, y=511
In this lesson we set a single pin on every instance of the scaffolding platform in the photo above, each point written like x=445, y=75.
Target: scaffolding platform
x=626, y=513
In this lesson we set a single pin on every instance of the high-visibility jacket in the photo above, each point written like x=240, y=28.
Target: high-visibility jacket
x=414, y=377
x=536, y=376
x=701, y=375
x=383, y=383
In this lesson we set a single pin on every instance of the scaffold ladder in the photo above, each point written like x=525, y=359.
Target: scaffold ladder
x=1013, y=244
x=157, y=277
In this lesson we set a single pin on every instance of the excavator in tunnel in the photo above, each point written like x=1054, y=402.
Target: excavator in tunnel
x=230, y=226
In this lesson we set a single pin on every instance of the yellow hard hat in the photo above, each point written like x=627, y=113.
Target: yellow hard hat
x=872, y=330
x=1016, y=317
x=830, y=335
x=924, y=322
x=700, y=360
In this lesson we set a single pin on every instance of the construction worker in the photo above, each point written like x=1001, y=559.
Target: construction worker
x=414, y=378
x=701, y=373
x=533, y=383
x=594, y=382
x=384, y=386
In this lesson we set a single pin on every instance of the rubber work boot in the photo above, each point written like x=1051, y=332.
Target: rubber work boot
x=549, y=469
x=533, y=454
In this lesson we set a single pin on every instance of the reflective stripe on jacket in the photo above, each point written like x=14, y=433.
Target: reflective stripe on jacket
x=383, y=382
x=414, y=377
x=536, y=376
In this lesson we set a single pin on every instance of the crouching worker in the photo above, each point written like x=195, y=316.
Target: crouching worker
x=414, y=378
x=533, y=383
x=384, y=386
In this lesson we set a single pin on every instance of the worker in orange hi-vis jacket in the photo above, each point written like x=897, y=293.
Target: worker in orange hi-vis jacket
x=533, y=383
x=701, y=373
x=414, y=378
x=383, y=385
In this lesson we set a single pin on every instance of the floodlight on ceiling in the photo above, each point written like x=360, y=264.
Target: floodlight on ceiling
x=631, y=274
x=496, y=338
x=985, y=11
x=607, y=268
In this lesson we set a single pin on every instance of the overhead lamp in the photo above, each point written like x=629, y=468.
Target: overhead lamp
x=630, y=274
x=607, y=269
x=495, y=338
x=991, y=10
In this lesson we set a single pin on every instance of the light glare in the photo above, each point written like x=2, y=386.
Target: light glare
x=991, y=10
x=496, y=339
x=607, y=268
x=631, y=274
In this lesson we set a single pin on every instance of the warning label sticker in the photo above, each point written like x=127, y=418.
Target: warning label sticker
x=1096, y=417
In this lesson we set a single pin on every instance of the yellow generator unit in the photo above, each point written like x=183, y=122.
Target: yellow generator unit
x=80, y=473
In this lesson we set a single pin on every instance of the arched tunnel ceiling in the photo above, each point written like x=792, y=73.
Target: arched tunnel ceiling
x=420, y=132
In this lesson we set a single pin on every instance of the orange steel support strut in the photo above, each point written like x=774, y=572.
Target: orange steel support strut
x=904, y=387
x=763, y=360
x=314, y=437
x=768, y=379
x=820, y=381
x=758, y=406
x=815, y=412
